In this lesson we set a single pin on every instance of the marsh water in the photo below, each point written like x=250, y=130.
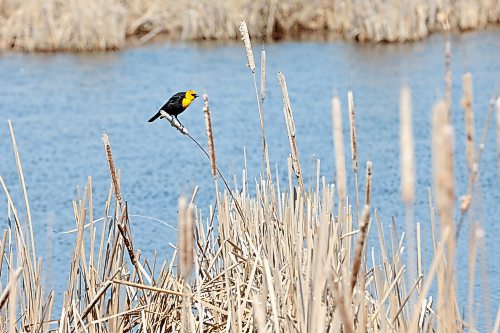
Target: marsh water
x=60, y=104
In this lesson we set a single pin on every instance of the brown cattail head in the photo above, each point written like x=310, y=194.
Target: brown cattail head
x=352, y=127
x=208, y=126
x=263, y=74
x=363, y=228
x=368, y=182
x=469, y=119
x=407, y=148
x=248, y=46
x=186, y=238
x=338, y=142
x=112, y=170
x=442, y=160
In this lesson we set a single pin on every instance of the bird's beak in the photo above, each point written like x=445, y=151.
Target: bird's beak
x=195, y=95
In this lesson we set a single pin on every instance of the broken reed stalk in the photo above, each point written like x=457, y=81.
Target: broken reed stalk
x=251, y=64
x=290, y=126
x=407, y=165
x=469, y=120
x=338, y=142
x=354, y=148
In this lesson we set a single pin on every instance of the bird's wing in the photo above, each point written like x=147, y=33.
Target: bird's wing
x=174, y=100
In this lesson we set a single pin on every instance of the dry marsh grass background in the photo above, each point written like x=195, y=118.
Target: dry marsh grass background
x=279, y=257
x=49, y=25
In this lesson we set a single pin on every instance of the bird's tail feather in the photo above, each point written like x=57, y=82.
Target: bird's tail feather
x=153, y=118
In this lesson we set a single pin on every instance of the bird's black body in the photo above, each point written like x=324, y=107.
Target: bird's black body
x=173, y=106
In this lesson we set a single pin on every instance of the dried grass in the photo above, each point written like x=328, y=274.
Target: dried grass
x=99, y=25
x=276, y=261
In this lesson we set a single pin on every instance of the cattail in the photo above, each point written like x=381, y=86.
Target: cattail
x=352, y=127
x=112, y=170
x=208, y=126
x=290, y=126
x=358, y=254
x=407, y=148
x=186, y=238
x=354, y=147
x=442, y=156
x=469, y=119
x=368, y=182
x=339, y=147
x=263, y=74
x=248, y=46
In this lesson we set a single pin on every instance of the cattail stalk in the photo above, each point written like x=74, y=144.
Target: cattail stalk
x=407, y=148
x=251, y=64
x=210, y=135
x=443, y=173
x=338, y=141
x=263, y=75
x=186, y=238
x=354, y=147
x=408, y=175
x=368, y=183
x=248, y=46
x=358, y=253
x=112, y=170
x=290, y=126
x=469, y=120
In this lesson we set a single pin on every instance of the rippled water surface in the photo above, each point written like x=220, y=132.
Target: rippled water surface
x=60, y=104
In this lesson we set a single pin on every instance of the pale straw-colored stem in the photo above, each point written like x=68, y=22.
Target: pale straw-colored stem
x=338, y=143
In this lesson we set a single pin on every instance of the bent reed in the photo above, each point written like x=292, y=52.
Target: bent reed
x=72, y=25
x=291, y=257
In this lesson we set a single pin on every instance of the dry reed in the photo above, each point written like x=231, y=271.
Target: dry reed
x=93, y=25
x=287, y=266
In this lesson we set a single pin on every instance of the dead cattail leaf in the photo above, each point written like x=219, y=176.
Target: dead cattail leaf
x=248, y=46
x=407, y=148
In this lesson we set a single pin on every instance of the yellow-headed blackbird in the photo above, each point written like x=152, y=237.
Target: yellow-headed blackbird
x=176, y=104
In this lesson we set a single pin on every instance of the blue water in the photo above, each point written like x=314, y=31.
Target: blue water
x=60, y=104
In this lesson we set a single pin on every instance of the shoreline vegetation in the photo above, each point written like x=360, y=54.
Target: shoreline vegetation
x=91, y=25
x=293, y=257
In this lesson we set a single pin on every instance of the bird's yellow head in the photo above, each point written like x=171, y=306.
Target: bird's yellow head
x=188, y=98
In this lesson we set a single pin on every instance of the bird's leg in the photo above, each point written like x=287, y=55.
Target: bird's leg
x=178, y=121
